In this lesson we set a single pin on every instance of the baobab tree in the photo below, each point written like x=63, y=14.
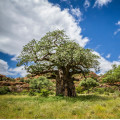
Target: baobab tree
x=56, y=53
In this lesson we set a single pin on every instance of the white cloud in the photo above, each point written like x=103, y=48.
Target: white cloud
x=108, y=56
x=118, y=57
x=3, y=67
x=105, y=65
x=76, y=12
x=118, y=30
x=19, y=70
x=63, y=0
x=100, y=3
x=5, y=70
x=21, y=21
x=86, y=4
x=118, y=23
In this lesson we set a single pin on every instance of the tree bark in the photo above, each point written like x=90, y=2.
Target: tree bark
x=65, y=85
x=59, y=83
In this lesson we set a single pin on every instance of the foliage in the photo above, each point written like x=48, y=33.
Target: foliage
x=44, y=93
x=29, y=75
x=27, y=80
x=32, y=93
x=21, y=79
x=11, y=79
x=55, y=52
x=112, y=76
x=102, y=90
x=89, y=83
x=79, y=89
x=4, y=78
x=40, y=83
x=4, y=90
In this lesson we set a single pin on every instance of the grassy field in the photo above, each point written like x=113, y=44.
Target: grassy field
x=83, y=106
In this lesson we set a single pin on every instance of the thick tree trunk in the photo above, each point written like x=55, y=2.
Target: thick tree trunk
x=65, y=85
x=59, y=83
x=69, y=89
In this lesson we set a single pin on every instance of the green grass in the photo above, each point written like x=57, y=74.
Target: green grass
x=83, y=106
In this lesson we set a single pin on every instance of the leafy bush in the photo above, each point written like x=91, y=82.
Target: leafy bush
x=11, y=79
x=27, y=81
x=109, y=89
x=79, y=89
x=44, y=93
x=89, y=83
x=99, y=90
x=103, y=90
x=24, y=92
x=4, y=78
x=112, y=76
x=32, y=93
x=21, y=79
x=40, y=83
x=4, y=90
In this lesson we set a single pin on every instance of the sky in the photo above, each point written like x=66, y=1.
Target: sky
x=94, y=24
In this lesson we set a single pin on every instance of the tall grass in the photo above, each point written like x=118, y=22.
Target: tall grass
x=83, y=106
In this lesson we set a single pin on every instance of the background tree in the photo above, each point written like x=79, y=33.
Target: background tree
x=55, y=52
x=89, y=83
x=112, y=76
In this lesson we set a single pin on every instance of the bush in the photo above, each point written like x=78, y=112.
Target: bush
x=11, y=79
x=21, y=79
x=99, y=90
x=40, y=83
x=109, y=89
x=24, y=92
x=44, y=93
x=32, y=93
x=79, y=89
x=27, y=81
x=89, y=83
x=4, y=78
x=4, y=90
x=105, y=89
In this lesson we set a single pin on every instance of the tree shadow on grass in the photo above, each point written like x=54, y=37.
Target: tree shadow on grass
x=83, y=98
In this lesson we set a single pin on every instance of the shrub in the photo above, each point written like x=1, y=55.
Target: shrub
x=40, y=83
x=21, y=79
x=109, y=89
x=32, y=93
x=79, y=89
x=4, y=78
x=89, y=83
x=105, y=89
x=99, y=90
x=44, y=93
x=112, y=76
x=11, y=79
x=27, y=81
x=4, y=90
x=24, y=92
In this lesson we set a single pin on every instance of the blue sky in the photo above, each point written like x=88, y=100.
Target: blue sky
x=93, y=24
